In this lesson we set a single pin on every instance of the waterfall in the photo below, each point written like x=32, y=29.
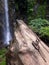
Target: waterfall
x=7, y=34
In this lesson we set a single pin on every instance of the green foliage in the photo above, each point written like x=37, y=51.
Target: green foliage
x=2, y=51
x=3, y=63
x=40, y=26
x=2, y=56
x=44, y=31
x=40, y=10
x=30, y=10
x=32, y=14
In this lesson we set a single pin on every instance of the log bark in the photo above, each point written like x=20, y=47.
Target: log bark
x=27, y=49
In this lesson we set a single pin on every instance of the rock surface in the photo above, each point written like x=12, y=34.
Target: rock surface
x=27, y=49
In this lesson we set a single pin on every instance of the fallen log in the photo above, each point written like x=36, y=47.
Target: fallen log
x=27, y=49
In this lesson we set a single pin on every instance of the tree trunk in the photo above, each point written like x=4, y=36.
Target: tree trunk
x=27, y=49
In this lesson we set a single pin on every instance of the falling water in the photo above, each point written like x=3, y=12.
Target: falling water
x=7, y=34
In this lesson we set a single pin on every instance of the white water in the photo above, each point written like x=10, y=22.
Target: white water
x=7, y=33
